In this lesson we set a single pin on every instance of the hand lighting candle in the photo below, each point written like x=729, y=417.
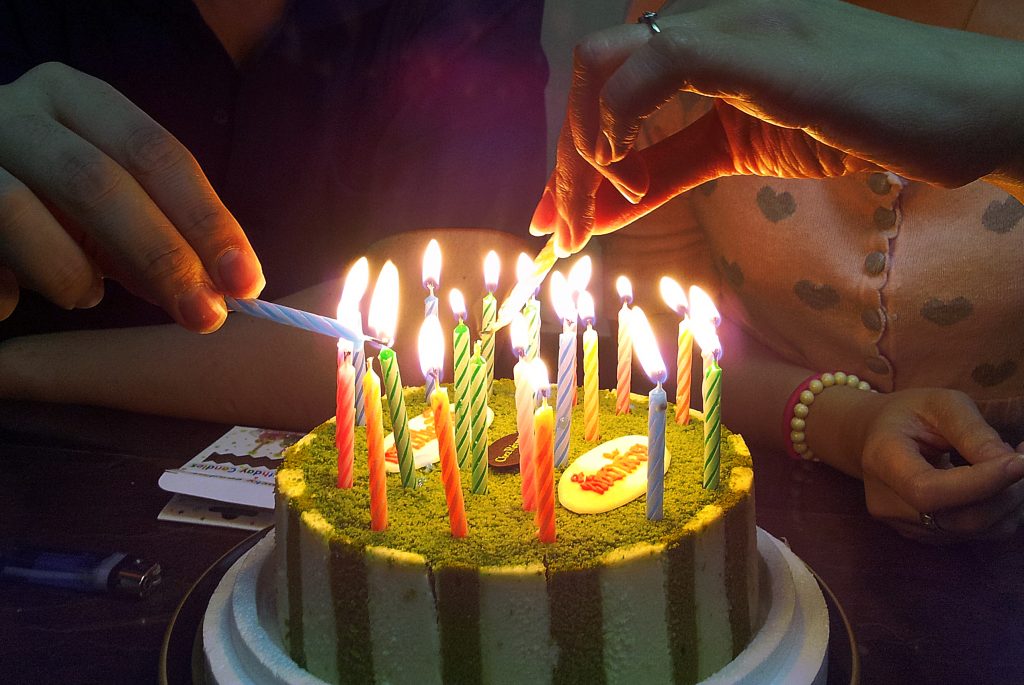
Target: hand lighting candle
x=460, y=345
x=492, y=271
x=562, y=299
x=525, y=406
x=375, y=449
x=654, y=366
x=591, y=381
x=705, y=318
x=543, y=453
x=431, y=276
x=624, y=368
x=383, y=320
x=431, y=349
x=478, y=418
x=531, y=310
x=675, y=298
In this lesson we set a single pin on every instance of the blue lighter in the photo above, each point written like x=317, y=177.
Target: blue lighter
x=117, y=573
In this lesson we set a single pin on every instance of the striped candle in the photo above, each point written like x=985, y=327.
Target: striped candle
x=375, y=449
x=543, y=452
x=624, y=366
x=712, y=392
x=492, y=270
x=431, y=277
x=566, y=387
x=460, y=386
x=591, y=381
x=287, y=316
x=345, y=415
x=449, y=466
x=478, y=418
x=399, y=418
x=532, y=313
x=359, y=364
x=525, y=407
x=657, y=403
x=684, y=356
x=430, y=380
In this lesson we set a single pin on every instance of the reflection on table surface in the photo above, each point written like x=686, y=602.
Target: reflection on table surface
x=85, y=478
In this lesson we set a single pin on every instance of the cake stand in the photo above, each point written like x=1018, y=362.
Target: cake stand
x=239, y=640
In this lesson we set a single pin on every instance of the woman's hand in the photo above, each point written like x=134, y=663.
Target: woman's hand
x=92, y=188
x=905, y=441
x=801, y=88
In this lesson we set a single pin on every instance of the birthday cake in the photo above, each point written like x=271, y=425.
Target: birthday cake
x=616, y=598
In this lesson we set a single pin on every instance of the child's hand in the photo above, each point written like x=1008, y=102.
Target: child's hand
x=907, y=473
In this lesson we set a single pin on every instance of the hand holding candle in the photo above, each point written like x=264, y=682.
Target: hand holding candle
x=675, y=298
x=383, y=320
x=654, y=366
x=431, y=349
x=624, y=366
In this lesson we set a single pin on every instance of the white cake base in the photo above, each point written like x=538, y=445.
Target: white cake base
x=241, y=643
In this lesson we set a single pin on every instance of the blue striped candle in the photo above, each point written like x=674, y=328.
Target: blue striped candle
x=278, y=313
x=657, y=403
x=566, y=388
x=359, y=362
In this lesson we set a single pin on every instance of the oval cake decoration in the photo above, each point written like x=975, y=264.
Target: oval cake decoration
x=610, y=475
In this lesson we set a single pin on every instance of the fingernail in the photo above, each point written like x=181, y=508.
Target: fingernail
x=1015, y=467
x=240, y=273
x=603, y=153
x=201, y=309
x=93, y=297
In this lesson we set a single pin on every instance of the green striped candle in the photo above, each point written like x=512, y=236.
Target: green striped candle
x=478, y=419
x=712, y=392
x=460, y=385
x=399, y=418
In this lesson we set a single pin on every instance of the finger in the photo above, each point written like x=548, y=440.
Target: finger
x=8, y=292
x=39, y=254
x=166, y=170
x=985, y=516
x=545, y=215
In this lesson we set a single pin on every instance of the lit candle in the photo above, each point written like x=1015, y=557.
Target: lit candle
x=675, y=298
x=525, y=406
x=492, y=271
x=624, y=369
x=566, y=310
x=345, y=414
x=531, y=310
x=431, y=276
x=460, y=345
x=383, y=320
x=539, y=267
x=705, y=317
x=543, y=453
x=579, y=279
x=431, y=349
x=478, y=419
x=352, y=292
x=288, y=316
x=591, y=381
x=375, y=449
x=654, y=366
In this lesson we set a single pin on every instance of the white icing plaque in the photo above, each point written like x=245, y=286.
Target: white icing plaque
x=608, y=476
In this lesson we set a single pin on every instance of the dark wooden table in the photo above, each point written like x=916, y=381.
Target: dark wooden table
x=86, y=479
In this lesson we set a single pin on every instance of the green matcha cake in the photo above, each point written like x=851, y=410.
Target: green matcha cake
x=616, y=599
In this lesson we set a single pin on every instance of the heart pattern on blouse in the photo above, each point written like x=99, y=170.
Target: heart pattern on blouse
x=987, y=375
x=775, y=206
x=1002, y=217
x=817, y=296
x=947, y=312
x=732, y=272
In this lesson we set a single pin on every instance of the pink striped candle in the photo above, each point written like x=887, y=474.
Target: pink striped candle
x=624, y=368
x=345, y=415
x=525, y=406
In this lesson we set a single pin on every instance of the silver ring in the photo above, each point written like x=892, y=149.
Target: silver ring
x=931, y=523
x=649, y=19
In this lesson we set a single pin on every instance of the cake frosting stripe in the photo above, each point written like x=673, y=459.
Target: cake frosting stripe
x=457, y=590
x=296, y=621
x=574, y=597
x=515, y=625
x=681, y=610
x=319, y=634
x=350, y=596
x=714, y=633
x=736, y=565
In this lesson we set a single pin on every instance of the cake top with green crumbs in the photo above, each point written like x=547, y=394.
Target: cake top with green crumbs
x=500, y=532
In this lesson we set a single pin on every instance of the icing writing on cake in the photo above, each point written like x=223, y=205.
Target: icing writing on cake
x=621, y=465
x=608, y=476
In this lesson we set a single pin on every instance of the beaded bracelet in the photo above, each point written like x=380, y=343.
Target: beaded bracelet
x=794, y=418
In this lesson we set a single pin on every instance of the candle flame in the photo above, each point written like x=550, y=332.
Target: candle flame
x=352, y=292
x=431, y=347
x=383, y=316
x=673, y=295
x=537, y=376
x=703, y=307
x=707, y=337
x=432, y=265
x=561, y=297
x=580, y=273
x=585, y=304
x=646, y=347
x=524, y=268
x=492, y=270
x=519, y=332
x=458, y=304
x=625, y=289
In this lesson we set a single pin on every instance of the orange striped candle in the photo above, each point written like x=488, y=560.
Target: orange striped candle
x=345, y=414
x=375, y=449
x=544, y=455
x=449, y=460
